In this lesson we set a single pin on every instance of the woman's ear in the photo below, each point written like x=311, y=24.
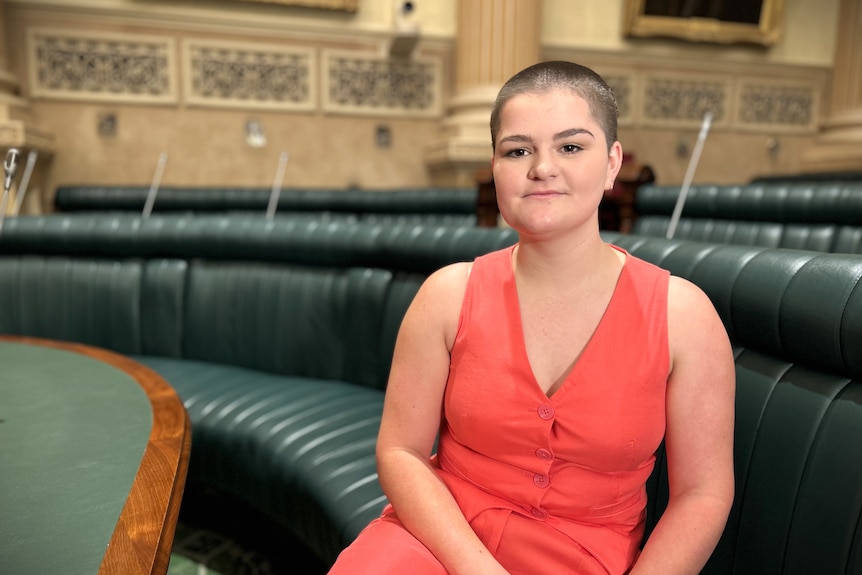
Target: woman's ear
x=615, y=162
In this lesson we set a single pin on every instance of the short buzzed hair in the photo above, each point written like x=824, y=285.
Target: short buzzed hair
x=548, y=76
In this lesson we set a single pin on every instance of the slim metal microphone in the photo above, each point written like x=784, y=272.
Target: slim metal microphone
x=25, y=181
x=154, y=185
x=10, y=166
x=272, y=205
x=689, y=174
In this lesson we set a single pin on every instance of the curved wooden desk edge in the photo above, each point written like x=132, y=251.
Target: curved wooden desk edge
x=142, y=540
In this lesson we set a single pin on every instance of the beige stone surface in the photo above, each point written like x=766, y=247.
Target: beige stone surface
x=333, y=147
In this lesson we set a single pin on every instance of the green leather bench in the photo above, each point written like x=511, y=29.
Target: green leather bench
x=278, y=337
x=820, y=216
x=845, y=176
x=435, y=205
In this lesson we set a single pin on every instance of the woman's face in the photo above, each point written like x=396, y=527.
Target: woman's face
x=551, y=163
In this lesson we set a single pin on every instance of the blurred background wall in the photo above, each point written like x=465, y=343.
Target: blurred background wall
x=362, y=93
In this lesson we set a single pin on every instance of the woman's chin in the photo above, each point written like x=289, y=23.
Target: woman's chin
x=541, y=225
x=538, y=226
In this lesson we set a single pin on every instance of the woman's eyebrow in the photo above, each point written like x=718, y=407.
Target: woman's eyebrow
x=518, y=138
x=572, y=132
x=522, y=138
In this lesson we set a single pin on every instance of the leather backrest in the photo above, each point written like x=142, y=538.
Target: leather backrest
x=436, y=200
x=291, y=295
x=819, y=216
x=131, y=306
x=799, y=305
x=848, y=240
x=304, y=321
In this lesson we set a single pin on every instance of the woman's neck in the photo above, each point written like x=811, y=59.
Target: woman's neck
x=565, y=262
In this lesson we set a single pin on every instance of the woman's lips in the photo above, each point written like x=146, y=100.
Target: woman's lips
x=543, y=194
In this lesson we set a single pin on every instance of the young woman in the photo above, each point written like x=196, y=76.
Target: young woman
x=552, y=370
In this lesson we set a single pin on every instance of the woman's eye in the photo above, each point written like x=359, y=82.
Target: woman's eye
x=570, y=148
x=517, y=153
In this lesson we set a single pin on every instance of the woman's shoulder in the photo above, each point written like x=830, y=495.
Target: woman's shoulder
x=455, y=275
x=445, y=286
x=686, y=296
x=694, y=324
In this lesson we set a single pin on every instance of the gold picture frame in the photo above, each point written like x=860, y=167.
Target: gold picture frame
x=344, y=5
x=658, y=22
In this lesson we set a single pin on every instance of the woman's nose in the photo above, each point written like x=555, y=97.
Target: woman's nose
x=543, y=166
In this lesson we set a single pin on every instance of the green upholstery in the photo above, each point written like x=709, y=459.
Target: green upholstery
x=818, y=216
x=449, y=206
x=64, y=299
x=130, y=306
x=833, y=176
x=299, y=449
x=309, y=322
x=278, y=337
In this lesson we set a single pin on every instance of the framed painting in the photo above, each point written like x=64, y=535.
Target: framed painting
x=716, y=21
x=346, y=5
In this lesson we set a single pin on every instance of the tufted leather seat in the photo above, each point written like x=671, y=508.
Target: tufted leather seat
x=278, y=335
x=450, y=206
x=819, y=216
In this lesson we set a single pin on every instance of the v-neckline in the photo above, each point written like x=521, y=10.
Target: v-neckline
x=578, y=359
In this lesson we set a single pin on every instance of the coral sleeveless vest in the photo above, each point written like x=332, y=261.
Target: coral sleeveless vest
x=575, y=462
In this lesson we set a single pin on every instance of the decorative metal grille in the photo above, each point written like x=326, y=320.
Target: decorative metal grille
x=253, y=76
x=383, y=86
x=673, y=100
x=787, y=106
x=91, y=67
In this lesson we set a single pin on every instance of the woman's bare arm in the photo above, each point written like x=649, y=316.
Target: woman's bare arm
x=411, y=420
x=699, y=437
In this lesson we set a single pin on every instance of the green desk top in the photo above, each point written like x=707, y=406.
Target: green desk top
x=73, y=431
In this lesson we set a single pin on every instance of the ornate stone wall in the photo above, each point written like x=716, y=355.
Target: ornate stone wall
x=764, y=116
x=122, y=91
x=119, y=82
x=94, y=66
x=741, y=102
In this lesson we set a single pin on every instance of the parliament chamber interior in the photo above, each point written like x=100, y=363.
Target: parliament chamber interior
x=215, y=214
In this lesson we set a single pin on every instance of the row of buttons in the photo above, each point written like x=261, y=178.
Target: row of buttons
x=546, y=411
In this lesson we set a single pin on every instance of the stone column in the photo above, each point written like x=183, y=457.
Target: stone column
x=838, y=146
x=17, y=130
x=495, y=39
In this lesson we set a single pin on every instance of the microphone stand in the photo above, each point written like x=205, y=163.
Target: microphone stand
x=689, y=174
x=25, y=181
x=10, y=166
x=276, y=185
x=154, y=185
